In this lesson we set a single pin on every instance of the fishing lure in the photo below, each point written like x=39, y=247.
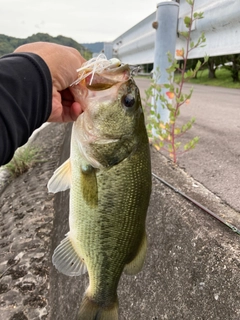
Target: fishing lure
x=95, y=65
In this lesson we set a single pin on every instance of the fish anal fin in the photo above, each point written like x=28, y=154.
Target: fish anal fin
x=135, y=266
x=67, y=259
x=61, y=179
x=91, y=310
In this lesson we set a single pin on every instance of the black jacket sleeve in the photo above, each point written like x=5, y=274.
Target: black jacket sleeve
x=25, y=100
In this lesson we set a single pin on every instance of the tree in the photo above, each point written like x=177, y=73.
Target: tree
x=213, y=64
x=212, y=67
x=9, y=44
x=234, y=67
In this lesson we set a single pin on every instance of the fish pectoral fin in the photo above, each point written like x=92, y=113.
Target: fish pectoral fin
x=89, y=185
x=67, y=259
x=61, y=179
x=136, y=264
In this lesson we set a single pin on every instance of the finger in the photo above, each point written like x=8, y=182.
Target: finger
x=71, y=113
x=68, y=101
x=66, y=95
x=76, y=110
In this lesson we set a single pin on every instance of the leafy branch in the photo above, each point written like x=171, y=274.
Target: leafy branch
x=165, y=136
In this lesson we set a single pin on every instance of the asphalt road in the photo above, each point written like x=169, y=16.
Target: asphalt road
x=215, y=162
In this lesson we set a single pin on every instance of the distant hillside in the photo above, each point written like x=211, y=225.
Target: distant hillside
x=9, y=44
x=95, y=47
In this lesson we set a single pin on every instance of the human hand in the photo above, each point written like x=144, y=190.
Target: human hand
x=62, y=62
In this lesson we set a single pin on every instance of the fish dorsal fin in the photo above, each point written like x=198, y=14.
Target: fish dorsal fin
x=61, y=179
x=67, y=260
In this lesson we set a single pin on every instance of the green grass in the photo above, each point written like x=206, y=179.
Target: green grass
x=223, y=79
x=24, y=158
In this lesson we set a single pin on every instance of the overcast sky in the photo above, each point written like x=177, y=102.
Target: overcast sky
x=82, y=20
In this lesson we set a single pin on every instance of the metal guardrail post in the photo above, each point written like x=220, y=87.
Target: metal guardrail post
x=166, y=36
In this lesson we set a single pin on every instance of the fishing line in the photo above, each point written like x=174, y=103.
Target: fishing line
x=232, y=227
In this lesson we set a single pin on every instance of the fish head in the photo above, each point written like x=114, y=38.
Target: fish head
x=109, y=129
x=113, y=113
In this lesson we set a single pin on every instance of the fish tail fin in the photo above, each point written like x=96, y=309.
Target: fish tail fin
x=90, y=310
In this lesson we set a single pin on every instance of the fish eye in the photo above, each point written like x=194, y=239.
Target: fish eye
x=128, y=101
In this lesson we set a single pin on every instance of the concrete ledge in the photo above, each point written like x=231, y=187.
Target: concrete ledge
x=192, y=266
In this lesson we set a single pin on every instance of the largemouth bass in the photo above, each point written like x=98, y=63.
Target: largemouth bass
x=109, y=176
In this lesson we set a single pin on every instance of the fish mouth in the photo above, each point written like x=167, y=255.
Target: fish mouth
x=95, y=84
x=107, y=78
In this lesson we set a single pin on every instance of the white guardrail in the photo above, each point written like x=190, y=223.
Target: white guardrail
x=221, y=25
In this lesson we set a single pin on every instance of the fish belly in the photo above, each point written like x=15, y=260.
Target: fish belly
x=107, y=218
